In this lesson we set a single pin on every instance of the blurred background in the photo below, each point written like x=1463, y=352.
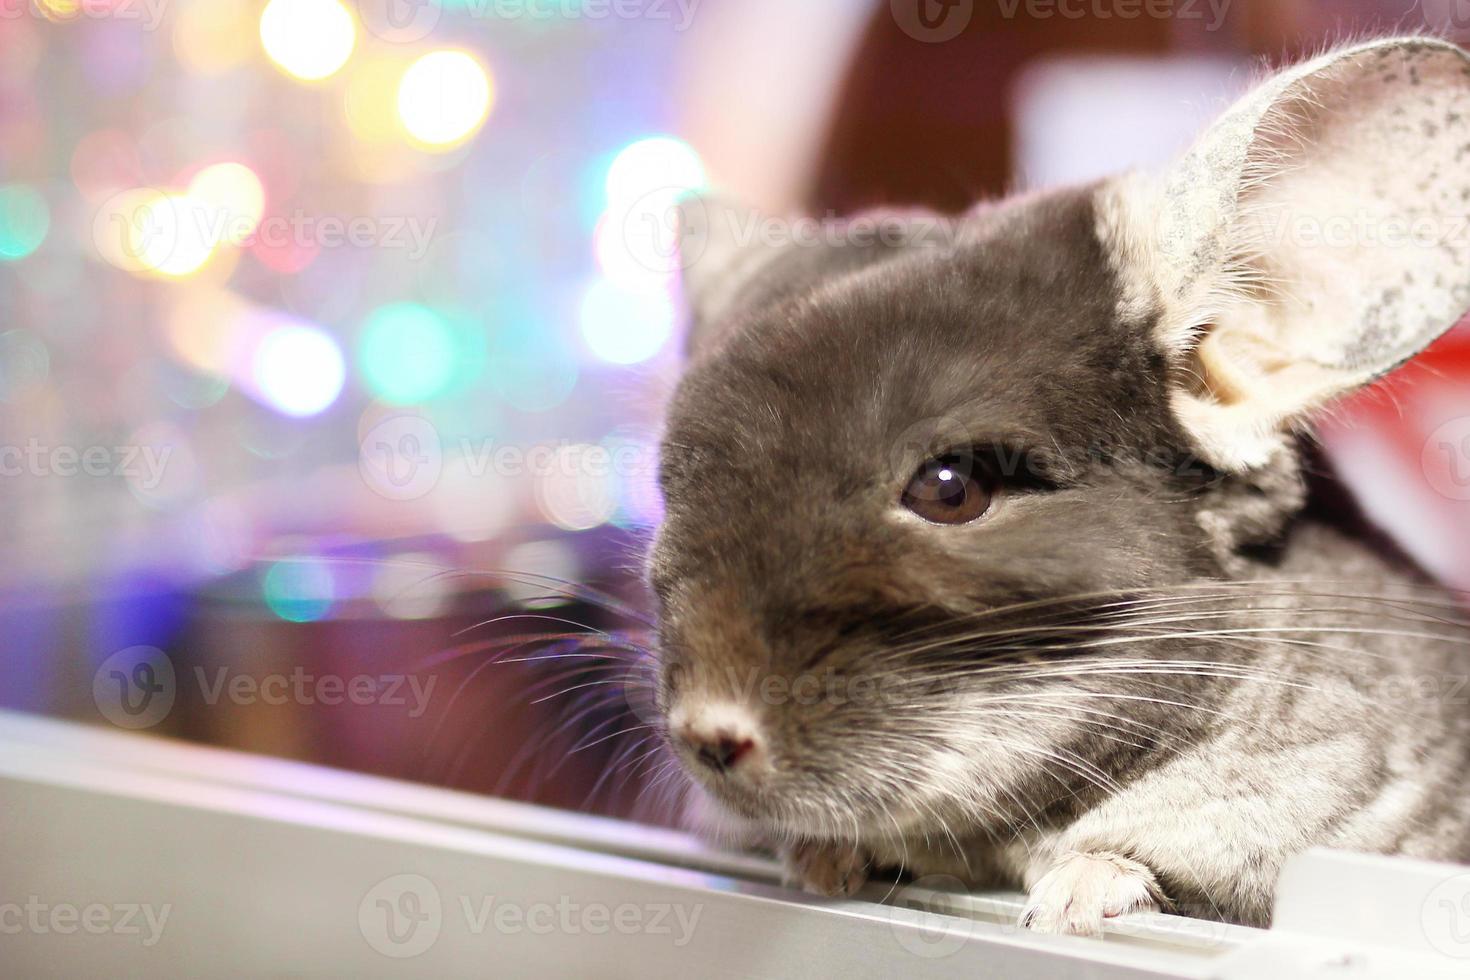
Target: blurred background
x=334, y=334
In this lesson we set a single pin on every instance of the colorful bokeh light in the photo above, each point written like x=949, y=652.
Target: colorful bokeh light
x=24, y=221
x=298, y=590
x=444, y=99
x=407, y=353
x=579, y=490
x=308, y=39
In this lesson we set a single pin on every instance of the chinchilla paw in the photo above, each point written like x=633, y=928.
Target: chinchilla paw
x=827, y=869
x=1081, y=890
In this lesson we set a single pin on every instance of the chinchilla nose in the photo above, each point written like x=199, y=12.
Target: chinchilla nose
x=722, y=740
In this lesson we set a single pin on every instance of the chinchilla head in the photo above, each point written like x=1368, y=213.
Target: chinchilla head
x=917, y=463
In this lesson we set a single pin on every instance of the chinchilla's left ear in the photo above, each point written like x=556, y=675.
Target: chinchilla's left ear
x=1315, y=238
x=720, y=253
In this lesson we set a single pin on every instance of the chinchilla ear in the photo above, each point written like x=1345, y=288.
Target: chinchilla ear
x=1314, y=239
x=721, y=250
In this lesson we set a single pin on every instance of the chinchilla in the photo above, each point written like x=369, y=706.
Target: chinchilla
x=991, y=548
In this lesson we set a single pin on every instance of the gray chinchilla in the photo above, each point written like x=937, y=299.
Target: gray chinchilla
x=991, y=548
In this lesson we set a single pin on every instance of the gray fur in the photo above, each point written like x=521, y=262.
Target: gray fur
x=989, y=706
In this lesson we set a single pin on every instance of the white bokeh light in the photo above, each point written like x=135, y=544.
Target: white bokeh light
x=309, y=39
x=624, y=326
x=444, y=98
x=298, y=370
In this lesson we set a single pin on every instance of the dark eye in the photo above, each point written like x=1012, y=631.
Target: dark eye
x=948, y=490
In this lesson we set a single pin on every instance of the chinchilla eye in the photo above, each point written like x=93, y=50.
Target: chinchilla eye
x=949, y=490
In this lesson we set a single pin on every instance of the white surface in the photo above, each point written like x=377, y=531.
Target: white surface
x=237, y=865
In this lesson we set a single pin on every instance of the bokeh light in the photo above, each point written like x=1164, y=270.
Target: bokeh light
x=58, y=11
x=444, y=98
x=636, y=240
x=543, y=570
x=298, y=370
x=472, y=500
x=406, y=353
x=170, y=234
x=232, y=199
x=623, y=326
x=24, y=221
x=655, y=165
x=309, y=39
x=579, y=489
x=411, y=586
x=117, y=228
x=298, y=590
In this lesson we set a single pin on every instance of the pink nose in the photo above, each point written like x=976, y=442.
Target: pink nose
x=718, y=749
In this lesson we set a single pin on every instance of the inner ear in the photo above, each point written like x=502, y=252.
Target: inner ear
x=1314, y=239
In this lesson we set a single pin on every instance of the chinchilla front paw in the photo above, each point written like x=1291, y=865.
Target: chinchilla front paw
x=1081, y=890
x=825, y=868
